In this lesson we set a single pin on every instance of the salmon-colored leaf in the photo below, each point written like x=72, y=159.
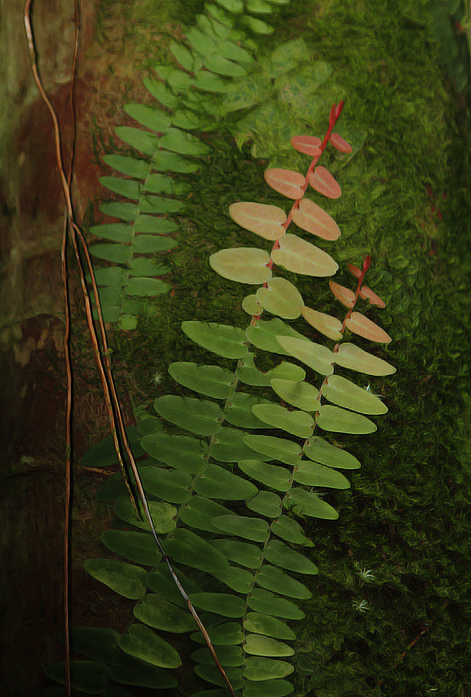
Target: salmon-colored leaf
x=266, y=221
x=309, y=145
x=322, y=181
x=367, y=294
x=312, y=218
x=286, y=182
x=339, y=143
x=299, y=256
x=361, y=325
x=354, y=270
x=344, y=295
x=325, y=324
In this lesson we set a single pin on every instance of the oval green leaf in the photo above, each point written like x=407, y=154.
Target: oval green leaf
x=266, y=221
x=346, y=394
x=354, y=358
x=141, y=642
x=224, y=340
x=282, y=298
x=242, y=264
x=342, y=421
x=126, y=579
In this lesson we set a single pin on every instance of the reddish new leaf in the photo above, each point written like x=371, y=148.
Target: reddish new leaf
x=286, y=182
x=339, y=143
x=354, y=270
x=312, y=218
x=309, y=145
x=322, y=181
x=344, y=295
x=367, y=294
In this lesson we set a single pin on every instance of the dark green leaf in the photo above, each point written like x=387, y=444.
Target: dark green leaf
x=276, y=580
x=271, y=475
x=227, y=634
x=209, y=380
x=143, y=643
x=132, y=671
x=135, y=546
x=188, y=548
x=198, y=513
x=241, y=552
x=224, y=340
x=159, y=613
x=86, y=676
x=195, y=415
x=269, y=604
x=182, y=452
x=224, y=604
x=264, y=624
x=218, y=483
x=266, y=503
x=282, y=555
x=126, y=579
x=254, y=529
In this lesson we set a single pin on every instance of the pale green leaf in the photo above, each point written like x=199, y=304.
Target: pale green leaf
x=275, y=448
x=282, y=555
x=126, y=579
x=268, y=604
x=116, y=253
x=319, y=450
x=202, y=43
x=127, y=165
x=182, y=55
x=123, y=187
x=143, y=643
x=223, y=66
x=271, y=475
x=248, y=373
x=209, y=82
x=154, y=224
x=302, y=257
x=251, y=306
x=303, y=502
x=135, y=546
x=143, y=141
x=265, y=646
x=354, y=358
x=209, y=380
x=316, y=356
x=266, y=221
x=259, y=7
x=150, y=117
x=290, y=530
x=324, y=323
x=342, y=421
x=149, y=244
x=266, y=503
x=297, y=423
x=146, y=286
x=282, y=298
x=239, y=411
x=182, y=452
x=276, y=580
x=196, y=415
x=298, y=393
x=161, y=92
x=309, y=473
x=228, y=445
x=183, y=143
x=242, y=553
x=110, y=276
x=224, y=340
x=346, y=394
x=263, y=334
x=218, y=483
x=269, y=626
x=141, y=266
x=162, y=515
x=258, y=27
x=157, y=612
x=169, y=161
x=178, y=80
x=224, y=604
x=254, y=529
x=242, y=264
x=124, y=211
x=190, y=549
x=118, y=232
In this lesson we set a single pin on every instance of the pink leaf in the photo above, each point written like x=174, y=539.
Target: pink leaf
x=367, y=294
x=322, y=181
x=344, y=295
x=361, y=325
x=339, y=143
x=286, y=182
x=354, y=270
x=309, y=145
x=312, y=218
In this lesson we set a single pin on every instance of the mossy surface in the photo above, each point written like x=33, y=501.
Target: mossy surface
x=402, y=629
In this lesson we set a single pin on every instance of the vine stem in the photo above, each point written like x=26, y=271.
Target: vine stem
x=102, y=358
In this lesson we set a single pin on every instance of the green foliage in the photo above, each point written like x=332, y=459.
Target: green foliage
x=249, y=552
x=451, y=23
